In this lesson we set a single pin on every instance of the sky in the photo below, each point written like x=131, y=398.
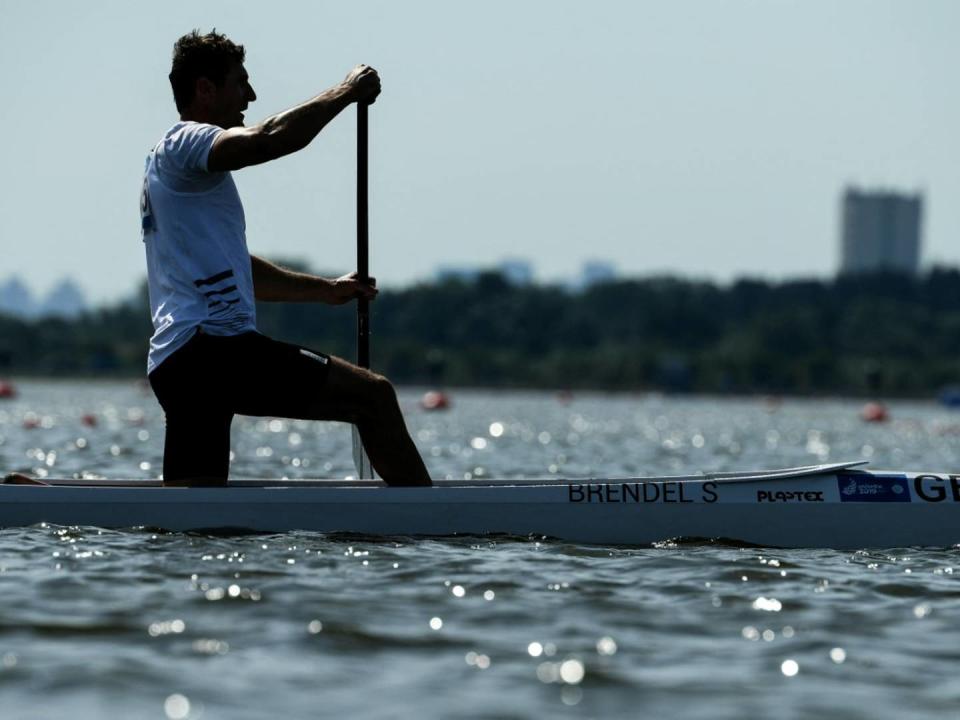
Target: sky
x=707, y=138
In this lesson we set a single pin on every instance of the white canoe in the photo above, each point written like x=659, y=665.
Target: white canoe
x=827, y=506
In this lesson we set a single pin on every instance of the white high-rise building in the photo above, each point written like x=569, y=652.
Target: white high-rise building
x=880, y=231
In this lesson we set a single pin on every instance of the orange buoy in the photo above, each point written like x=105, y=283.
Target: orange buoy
x=874, y=412
x=89, y=419
x=435, y=400
x=7, y=390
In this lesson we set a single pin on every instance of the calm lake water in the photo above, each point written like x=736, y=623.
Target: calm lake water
x=135, y=624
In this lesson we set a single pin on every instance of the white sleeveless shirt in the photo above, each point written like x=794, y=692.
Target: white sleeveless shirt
x=194, y=231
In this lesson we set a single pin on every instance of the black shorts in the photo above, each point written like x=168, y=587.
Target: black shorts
x=212, y=378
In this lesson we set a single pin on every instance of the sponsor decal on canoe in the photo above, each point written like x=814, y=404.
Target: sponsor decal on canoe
x=790, y=496
x=937, y=488
x=642, y=492
x=873, y=488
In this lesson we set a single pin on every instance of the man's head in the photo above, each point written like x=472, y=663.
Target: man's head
x=209, y=81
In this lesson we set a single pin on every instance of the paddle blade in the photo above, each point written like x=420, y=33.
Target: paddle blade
x=360, y=460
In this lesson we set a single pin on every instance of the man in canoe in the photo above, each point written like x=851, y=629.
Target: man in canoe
x=206, y=361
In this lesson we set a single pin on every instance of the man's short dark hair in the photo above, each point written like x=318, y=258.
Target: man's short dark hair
x=196, y=56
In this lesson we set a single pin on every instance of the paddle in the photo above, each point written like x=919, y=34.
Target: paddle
x=360, y=459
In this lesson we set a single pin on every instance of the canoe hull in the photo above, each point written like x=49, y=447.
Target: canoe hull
x=840, y=508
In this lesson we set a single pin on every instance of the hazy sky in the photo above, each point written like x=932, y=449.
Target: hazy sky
x=709, y=138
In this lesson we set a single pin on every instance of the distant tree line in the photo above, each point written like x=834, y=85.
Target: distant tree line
x=874, y=334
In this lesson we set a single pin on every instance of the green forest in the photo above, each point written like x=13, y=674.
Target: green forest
x=859, y=335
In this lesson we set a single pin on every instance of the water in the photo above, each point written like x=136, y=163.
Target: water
x=135, y=624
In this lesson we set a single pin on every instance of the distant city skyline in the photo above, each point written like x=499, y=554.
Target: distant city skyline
x=65, y=299
x=522, y=271
x=695, y=138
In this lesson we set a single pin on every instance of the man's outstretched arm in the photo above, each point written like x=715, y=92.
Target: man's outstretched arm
x=272, y=283
x=292, y=129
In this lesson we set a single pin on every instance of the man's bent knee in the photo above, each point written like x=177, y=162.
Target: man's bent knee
x=384, y=393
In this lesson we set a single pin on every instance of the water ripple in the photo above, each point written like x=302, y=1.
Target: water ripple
x=100, y=623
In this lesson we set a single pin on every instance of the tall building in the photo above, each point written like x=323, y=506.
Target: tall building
x=456, y=272
x=880, y=231
x=66, y=300
x=592, y=272
x=517, y=271
x=16, y=299
x=595, y=272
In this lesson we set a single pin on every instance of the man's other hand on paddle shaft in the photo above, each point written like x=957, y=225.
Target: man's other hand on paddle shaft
x=272, y=283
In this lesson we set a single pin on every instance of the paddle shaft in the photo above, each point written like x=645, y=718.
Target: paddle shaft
x=363, y=239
